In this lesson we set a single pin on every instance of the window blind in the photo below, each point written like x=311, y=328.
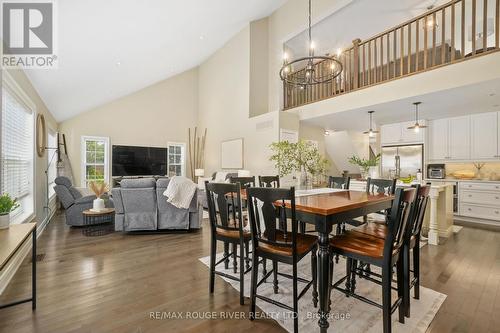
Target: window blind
x=17, y=147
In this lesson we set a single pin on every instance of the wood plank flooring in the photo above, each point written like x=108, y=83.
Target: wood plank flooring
x=112, y=284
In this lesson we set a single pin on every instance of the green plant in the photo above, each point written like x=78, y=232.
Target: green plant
x=301, y=156
x=363, y=163
x=7, y=204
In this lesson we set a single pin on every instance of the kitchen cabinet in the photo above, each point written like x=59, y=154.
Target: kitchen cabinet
x=449, y=139
x=459, y=138
x=480, y=200
x=398, y=134
x=438, y=139
x=484, y=136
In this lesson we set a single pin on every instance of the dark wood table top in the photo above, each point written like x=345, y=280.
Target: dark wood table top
x=337, y=202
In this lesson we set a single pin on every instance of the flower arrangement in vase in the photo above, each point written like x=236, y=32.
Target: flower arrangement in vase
x=303, y=157
x=365, y=164
x=7, y=205
x=99, y=189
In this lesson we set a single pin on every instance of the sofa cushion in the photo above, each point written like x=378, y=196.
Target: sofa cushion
x=162, y=183
x=64, y=195
x=138, y=183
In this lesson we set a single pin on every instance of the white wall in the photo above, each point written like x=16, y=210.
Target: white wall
x=152, y=116
x=224, y=101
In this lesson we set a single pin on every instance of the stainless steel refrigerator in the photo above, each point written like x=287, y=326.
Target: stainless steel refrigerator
x=401, y=161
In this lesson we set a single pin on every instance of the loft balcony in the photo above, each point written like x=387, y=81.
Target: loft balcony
x=455, y=32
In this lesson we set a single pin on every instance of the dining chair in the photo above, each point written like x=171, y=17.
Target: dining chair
x=227, y=226
x=269, y=181
x=279, y=245
x=339, y=182
x=381, y=252
x=243, y=181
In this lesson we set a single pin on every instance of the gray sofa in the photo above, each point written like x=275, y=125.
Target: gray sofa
x=141, y=206
x=74, y=202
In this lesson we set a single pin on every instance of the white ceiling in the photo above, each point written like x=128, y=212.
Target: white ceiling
x=108, y=49
x=478, y=98
x=360, y=19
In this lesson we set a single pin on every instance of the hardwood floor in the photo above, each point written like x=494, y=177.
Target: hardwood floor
x=112, y=284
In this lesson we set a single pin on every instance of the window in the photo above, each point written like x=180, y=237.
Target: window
x=51, y=161
x=17, y=155
x=176, y=159
x=95, y=159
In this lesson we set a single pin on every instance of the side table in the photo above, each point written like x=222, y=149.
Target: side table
x=98, y=223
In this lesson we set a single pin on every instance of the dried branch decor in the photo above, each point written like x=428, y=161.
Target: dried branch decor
x=196, y=150
x=99, y=188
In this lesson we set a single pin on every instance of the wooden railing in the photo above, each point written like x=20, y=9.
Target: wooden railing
x=454, y=32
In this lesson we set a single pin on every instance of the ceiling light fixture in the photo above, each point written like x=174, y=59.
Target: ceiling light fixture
x=371, y=132
x=303, y=71
x=327, y=132
x=417, y=126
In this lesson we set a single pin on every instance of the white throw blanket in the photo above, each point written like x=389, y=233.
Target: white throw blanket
x=180, y=191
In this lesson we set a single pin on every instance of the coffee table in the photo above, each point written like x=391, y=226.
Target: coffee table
x=98, y=223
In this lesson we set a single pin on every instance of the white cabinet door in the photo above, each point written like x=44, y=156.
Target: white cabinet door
x=409, y=135
x=484, y=131
x=390, y=134
x=459, y=138
x=438, y=139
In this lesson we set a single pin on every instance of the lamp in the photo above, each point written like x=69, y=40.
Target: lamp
x=199, y=172
x=243, y=173
x=371, y=132
x=417, y=126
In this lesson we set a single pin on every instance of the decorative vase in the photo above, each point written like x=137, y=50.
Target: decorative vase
x=4, y=221
x=305, y=180
x=98, y=205
x=365, y=174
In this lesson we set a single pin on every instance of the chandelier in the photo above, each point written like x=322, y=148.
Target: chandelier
x=312, y=69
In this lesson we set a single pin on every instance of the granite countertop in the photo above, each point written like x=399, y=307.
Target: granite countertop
x=463, y=180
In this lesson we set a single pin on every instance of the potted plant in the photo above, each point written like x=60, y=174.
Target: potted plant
x=364, y=164
x=7, y=205
x=303, y=157
x=99, y=188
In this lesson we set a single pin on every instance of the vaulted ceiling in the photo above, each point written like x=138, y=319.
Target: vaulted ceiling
x=108, y=49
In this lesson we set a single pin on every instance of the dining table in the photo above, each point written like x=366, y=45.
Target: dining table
x=325, y=210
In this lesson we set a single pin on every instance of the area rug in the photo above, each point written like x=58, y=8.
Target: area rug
x=348, y=314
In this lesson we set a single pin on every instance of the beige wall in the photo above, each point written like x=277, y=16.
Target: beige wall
x=40, y=162
x=152, y=116
x=258, y=67
x=224, y=101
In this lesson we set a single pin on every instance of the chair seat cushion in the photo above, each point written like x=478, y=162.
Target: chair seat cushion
x=359, y=244
x=375, y=229
x=234, y=232
x=305, y=243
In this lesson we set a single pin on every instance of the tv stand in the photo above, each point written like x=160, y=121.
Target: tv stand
x=115, y=181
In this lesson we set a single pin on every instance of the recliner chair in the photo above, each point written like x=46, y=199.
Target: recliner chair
x=73, y=201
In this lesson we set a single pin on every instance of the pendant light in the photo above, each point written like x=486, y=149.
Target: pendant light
x=371, y=132
x=305, y=71
x=417, y=126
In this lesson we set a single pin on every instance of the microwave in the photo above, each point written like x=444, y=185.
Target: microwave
x=436, y=171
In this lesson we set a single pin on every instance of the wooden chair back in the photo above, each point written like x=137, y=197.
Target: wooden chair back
x=244, y=181
x=269, y=181
x=262, y=205
x=224, y=210
x=339, y=182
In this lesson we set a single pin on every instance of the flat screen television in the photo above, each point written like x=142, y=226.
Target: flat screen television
x=139, y=161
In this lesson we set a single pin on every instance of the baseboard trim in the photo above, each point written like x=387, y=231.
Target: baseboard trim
x=15, y=262
x=477, y=223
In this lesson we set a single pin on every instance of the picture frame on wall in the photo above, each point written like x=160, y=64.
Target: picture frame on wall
x=232, y=154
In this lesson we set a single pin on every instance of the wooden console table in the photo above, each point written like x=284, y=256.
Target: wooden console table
x=11, y=240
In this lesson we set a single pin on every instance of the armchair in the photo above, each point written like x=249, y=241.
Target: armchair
x=73, y=201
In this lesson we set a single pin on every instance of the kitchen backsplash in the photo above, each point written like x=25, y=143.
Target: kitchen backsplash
x=489, y=171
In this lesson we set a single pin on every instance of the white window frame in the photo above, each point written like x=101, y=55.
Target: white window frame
x=83, y=164
x=10, y=84
x=183, y=164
